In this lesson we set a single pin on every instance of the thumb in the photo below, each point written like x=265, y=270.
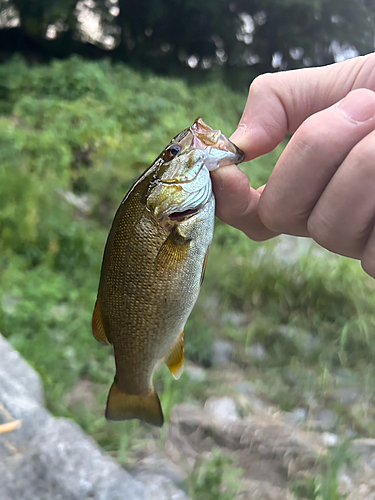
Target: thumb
x=279, y=102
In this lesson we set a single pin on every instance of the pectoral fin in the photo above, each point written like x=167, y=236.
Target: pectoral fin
x=123, y=406
x=97, y=325
x=173, y=251
x=174, y=358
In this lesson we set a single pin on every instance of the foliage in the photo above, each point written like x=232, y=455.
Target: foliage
x=235, y=39
x=212, y=479
x=74, y=135
x=311, y=311
x=325, y=486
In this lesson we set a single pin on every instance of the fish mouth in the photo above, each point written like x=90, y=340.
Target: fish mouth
x=225, y=151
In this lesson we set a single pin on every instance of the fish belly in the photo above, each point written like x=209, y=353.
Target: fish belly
x=149, y=294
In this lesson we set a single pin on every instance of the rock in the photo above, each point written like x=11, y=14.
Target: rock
x=61, y=462
x=247, y=388
x=16, y=375
x=296, y=416
x=266, y=449
x=158, y=487
x=272, y=454
x=347, y=395
x=330, y=439
x=221, y=352
x=344, y=479
x=157, y=464
x=33, y=416
x=257, y=352
x=196, y=373
x=252, y=400
x=366, y=448
x=307, y=342
x=221, y=409
x=326, y=420
x=48, y=458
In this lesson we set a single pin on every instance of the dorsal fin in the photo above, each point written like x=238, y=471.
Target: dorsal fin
x=97, y=325
x=174, y=358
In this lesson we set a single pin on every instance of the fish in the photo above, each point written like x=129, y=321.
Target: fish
x=153, y=267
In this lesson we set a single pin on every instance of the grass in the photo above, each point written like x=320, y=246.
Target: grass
x=325, y=485
x=211, y=479
x=88, y=130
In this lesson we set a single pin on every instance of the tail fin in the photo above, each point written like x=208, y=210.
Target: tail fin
x=123, y=406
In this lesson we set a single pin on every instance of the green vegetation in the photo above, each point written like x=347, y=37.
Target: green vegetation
x=325, y=486
x=237, y=40
x=74, y=136
x=212, y=479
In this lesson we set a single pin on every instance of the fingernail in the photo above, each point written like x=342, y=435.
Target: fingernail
x=241, y=129
x=359, y=105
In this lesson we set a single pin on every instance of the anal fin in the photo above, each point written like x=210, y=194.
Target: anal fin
x=97, y=325
x=174, y=358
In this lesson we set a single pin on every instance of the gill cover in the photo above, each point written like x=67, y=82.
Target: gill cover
x=185, y=184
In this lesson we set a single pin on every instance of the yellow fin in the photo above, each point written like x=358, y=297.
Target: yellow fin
x=123, y=406
x=97, y=325
x=174, y=358
x=204, y=265
x=173, y=251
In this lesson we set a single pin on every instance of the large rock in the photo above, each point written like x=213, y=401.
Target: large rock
x=222, y=409
x=16, y=375
x=52, y=458
x=62, y=463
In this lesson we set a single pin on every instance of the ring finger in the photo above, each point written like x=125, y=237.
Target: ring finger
x=342, y=219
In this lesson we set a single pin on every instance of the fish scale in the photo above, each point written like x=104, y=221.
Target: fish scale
x=153, y=266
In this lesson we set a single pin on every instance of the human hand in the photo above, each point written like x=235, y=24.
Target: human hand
x=323, y=185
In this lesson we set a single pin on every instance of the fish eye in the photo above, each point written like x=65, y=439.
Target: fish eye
x=173, y=151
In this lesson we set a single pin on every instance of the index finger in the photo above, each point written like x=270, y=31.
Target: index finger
x=278, y=103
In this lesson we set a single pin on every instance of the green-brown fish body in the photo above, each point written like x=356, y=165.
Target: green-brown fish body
x=153, y=267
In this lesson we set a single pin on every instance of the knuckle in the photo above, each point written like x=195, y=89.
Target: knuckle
x=262, y=84
x=365, y=69
x=320, y=230
x=310, y=135
x=270, y=217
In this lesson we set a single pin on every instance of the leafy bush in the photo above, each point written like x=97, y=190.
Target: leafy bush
x=74, y=135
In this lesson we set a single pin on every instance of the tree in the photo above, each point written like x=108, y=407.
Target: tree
x=172, y=36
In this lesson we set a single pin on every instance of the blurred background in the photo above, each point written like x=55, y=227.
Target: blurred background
x=90, y=92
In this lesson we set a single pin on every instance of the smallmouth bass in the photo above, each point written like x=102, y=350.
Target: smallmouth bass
x=153, y=267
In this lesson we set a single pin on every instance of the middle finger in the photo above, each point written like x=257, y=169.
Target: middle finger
x=310, y=160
